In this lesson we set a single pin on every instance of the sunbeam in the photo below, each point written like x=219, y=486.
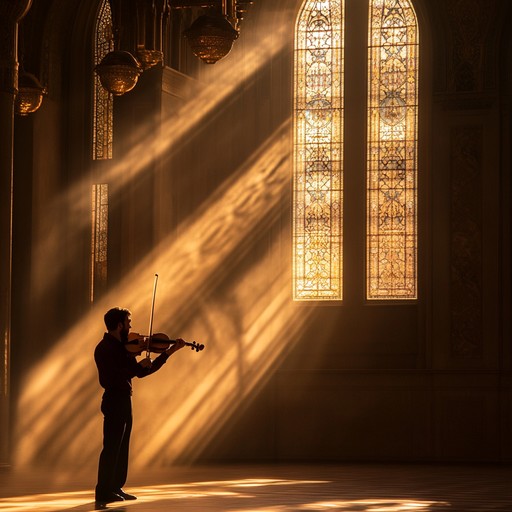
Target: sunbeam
x=204, y=98
x=58, y=410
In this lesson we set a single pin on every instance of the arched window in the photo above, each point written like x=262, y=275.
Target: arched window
x=319, y=150
x=392, y=151
x=318, y=176
x=102, y=142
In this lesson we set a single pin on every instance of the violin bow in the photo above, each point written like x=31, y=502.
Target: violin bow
x=151, y=316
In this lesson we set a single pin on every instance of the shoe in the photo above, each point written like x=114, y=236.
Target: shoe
x=125, y=495
x=110, y=497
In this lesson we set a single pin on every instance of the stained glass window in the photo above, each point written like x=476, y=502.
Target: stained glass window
x=392, y=139
x=392, y=151
x=318, y=149
x=102, y=100
x=99, y=239
x=102, y=142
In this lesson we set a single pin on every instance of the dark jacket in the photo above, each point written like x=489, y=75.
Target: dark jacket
x=117, y=366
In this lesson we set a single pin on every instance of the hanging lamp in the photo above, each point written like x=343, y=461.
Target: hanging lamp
x=119, y=72
x=211, y=37
x=30, y=94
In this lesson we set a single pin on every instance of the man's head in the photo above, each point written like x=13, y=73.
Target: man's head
x=118, y=320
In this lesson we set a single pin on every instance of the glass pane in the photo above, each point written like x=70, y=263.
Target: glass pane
x=318, y=150
x=99, y=239
x=103, y=102
x=392, y=151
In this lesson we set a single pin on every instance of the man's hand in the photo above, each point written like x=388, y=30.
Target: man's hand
x=146, y=362
x=179, y=344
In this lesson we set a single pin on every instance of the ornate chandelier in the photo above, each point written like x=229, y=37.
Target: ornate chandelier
x=211, y=38
x=30, y=94
x=118, y=72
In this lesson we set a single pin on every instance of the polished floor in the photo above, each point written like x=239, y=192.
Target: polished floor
x=255, y=488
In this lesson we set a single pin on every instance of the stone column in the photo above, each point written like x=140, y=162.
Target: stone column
x=11, y=12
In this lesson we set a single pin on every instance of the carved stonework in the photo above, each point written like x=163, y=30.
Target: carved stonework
x=466, y=101
x=469, y=22
x=466, y=242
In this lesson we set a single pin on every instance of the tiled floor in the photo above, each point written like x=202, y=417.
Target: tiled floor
x=350, y=487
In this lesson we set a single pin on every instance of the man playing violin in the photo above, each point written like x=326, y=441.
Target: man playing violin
x=116, y=368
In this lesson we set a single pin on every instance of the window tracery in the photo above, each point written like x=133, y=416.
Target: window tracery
x=102, y=148
x=103, y=103
x=318, y=177
x=99, y=238
x=392, y=126
x=392, y=151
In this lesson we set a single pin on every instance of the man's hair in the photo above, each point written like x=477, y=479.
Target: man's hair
x=113, y=317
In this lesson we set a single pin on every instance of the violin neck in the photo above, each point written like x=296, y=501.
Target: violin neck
x=193, y=345
x=172, y=342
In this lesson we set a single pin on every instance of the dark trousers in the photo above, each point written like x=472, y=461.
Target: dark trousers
x=117, y=426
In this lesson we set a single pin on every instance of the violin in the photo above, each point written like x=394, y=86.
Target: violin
x=157, y=343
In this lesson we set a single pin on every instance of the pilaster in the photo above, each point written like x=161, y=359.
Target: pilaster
x=11, y=12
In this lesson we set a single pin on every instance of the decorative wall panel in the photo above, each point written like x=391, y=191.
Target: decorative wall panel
x=466, y=242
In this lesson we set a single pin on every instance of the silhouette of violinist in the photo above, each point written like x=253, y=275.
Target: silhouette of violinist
x=116, y=368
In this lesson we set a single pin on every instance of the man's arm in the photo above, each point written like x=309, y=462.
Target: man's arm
x=148, y=367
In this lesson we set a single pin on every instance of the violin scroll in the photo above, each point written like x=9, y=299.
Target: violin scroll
x=195, y=346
